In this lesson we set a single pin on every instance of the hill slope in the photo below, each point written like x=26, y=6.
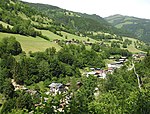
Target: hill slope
x=139, y=27
x=78, y=22
x=46, y=24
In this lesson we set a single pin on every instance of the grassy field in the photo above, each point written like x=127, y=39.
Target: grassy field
x=71, y=36
x=29, y=43
x=51, y=35
x=131, y=47
x=124, y=23
x=5, y=24
x=22, y=15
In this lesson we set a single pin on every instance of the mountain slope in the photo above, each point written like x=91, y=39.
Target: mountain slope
x=139, y=27
x=78, y=22
x=35, y=24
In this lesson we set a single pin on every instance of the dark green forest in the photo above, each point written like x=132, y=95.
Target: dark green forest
x=78, y=22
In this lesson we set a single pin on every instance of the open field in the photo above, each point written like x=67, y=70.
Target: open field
x=131, y=47
x=72, y=36
x=22, y=15
x=124, y=23
x=51, y=35
x=29, y=43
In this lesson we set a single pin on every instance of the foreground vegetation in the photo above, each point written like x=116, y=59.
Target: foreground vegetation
x=118, y=94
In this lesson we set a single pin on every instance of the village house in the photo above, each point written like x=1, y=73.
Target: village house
x=92, y=69
x=114, y=65
x=56, y=88
x=56, y=40
x=110, y=70
x=97, y=72
x=139, y=55
x=101, y=74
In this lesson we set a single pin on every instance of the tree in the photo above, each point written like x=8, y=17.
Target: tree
x=24, y=101
x=8, y=88
x=96, y=47
x=51, y=51
x=66, y=56
x=8, y=106
x=106, y=103
x=44, y=71
x=11, y=46
x=83, y=96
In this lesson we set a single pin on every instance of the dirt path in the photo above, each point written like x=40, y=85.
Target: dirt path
x=138, y=78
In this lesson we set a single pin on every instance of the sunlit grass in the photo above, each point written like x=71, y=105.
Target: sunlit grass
x=29, y=43
x=5, y=24
x=131, y=47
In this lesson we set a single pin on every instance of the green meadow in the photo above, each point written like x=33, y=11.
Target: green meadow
x=29, y=43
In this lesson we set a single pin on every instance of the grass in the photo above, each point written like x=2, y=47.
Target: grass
x=22, y=15
x=53, y=36
x=29, y=43
x=1, y=9
x=124, y=23
x=131, y=47
x=5, y=24
x=50, y=35
x=88, y=47
x=72, y=36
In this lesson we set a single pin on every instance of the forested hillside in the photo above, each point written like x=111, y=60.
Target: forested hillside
x=139, y=27
x=50, y=63
x=79, y=22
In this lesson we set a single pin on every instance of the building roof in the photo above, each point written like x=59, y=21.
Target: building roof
x=55, y=85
